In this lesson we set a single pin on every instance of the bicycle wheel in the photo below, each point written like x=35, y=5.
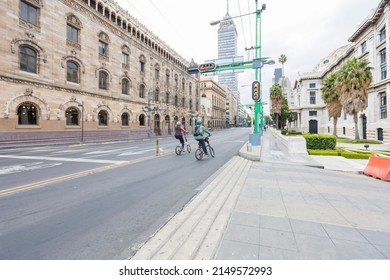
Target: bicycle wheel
x=178, y=150
x=199, y=154
x=212, y=153
x=189, y=148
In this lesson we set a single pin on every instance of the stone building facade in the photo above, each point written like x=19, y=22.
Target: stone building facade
x=213, y=103
x=87, y=67
x=370, y=42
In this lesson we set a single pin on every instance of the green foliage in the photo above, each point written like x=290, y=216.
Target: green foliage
x=323, y=152
x=320, y=141
x=354, y=155
x=365, y=142
x=346, y=154
x=294, y=132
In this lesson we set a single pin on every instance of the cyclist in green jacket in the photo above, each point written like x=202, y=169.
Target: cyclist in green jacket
x=198, y=135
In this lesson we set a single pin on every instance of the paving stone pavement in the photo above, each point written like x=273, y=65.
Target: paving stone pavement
x=281, y=207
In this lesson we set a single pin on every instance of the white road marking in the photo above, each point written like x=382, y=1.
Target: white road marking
x=25, y=167
x=110, y=151
x=63, y=159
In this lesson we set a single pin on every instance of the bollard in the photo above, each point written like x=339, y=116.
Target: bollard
x=248, y=147
x=157, y=148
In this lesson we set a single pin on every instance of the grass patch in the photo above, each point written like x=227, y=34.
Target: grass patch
x=353, y=141
x=341, y=152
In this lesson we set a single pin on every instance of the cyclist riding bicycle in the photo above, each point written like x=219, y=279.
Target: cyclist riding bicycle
x=198, y=135
x=179, y=131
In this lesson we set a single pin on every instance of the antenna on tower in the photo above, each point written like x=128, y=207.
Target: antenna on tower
x=227, y=11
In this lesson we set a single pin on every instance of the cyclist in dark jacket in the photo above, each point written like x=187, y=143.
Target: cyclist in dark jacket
x=198, y=135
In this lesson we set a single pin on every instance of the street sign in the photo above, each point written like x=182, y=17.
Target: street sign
x=206, y=67
x=193, y=69
x=256, y=91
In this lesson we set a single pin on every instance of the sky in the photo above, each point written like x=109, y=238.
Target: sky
x=304, y=30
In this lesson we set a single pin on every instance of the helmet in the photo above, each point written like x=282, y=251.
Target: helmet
x=178, y=123
x=198, y=122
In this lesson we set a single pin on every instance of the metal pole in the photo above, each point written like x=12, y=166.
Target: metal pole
x=257, y=55
x=82, y=121
x=149, y=128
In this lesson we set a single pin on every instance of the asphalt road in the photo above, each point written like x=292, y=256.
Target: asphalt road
x=98, y=201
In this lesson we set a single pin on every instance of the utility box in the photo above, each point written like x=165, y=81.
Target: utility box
x=254, y=139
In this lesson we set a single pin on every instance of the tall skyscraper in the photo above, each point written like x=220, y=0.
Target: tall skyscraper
x=277, y=75
x=227, y=48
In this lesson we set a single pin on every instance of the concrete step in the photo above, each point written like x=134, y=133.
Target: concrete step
x=195, y=232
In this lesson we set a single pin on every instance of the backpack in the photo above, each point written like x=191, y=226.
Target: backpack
x=197, y=131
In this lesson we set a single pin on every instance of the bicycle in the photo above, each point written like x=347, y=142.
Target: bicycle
x=199, y=152
x=179, y=148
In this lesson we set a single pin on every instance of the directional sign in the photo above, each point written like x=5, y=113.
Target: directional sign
x=206, y=67
x=193, y=70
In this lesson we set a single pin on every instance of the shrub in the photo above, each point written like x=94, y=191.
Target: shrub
x=320, y=141
x=294, y=132
x=355, y=155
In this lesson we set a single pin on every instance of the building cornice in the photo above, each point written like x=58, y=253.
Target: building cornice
x=370, y=21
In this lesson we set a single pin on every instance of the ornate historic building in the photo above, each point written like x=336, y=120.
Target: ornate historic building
x=213, y=103
x=87, y=67
x=370, y=42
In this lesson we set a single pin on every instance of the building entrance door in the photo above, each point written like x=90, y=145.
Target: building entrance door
x=313, y=126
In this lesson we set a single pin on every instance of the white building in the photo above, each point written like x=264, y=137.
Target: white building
x=371, y=42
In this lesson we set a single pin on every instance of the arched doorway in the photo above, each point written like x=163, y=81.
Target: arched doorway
x=157, y=128
x=168, y=124
x=313, y=126
x=183, y=122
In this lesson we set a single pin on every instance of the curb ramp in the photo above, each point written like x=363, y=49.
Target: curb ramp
x=196, y=231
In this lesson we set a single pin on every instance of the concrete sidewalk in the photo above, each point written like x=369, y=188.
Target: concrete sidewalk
x=268, y=204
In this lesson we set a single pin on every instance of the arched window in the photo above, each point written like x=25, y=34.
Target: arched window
x=104, y=40
x=125, y=119
x=141, y=120
x=72, y=116
x=176, y=100
x=103, y=80
x=103, y=118
x=29, y=13
x=27, y=114
x=156, y=95
x=125, y=86
x=28, y=59
x=142, y=91
x=72, y=70
x=167, y=98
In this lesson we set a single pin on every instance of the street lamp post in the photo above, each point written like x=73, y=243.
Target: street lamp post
x=258, y=56
x=82, y=120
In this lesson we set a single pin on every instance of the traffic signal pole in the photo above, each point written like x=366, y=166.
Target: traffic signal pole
x=257, y=63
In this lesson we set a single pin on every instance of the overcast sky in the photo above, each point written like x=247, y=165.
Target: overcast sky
x=304, y=30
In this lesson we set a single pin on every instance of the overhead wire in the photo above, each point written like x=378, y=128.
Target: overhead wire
x=242, y=23
x=161, y=13
x=250, y=27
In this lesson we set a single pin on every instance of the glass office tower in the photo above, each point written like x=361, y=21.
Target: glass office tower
x=227, y=48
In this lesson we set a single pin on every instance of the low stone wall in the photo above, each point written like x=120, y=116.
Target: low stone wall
x=293, y=144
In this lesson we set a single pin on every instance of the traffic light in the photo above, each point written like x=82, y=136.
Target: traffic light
x=206, y=67
x=256, y=91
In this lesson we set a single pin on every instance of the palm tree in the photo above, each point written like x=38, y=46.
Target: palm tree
x=282, y=60
x=276, y=97
x=331, y=98
x=352, y=82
